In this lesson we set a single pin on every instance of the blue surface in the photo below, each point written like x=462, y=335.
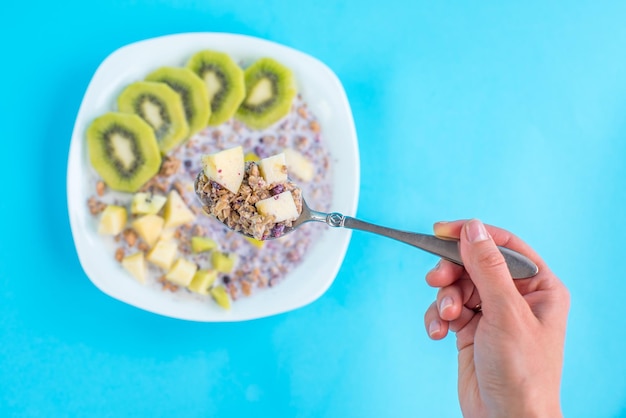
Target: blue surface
x=515, y=114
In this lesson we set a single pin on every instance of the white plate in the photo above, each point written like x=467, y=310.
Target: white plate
x=322, y=91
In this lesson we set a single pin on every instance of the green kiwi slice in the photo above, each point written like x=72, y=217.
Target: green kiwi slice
x=192, y=92
x=123, y=150
x=270, y=89
x=223, y=80
x=160, y=106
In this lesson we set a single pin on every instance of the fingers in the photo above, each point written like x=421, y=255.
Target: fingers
x=449, y=311
x=444, y=274
x=436, y=327
x=487, y=269
x=500, y=236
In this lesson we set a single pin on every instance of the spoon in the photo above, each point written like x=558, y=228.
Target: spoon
x=520, y=266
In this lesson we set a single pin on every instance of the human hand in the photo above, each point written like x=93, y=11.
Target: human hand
x=511, y=351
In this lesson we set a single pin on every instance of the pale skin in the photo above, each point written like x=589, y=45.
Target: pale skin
x=510, y=353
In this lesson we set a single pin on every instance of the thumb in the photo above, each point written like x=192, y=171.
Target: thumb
x=486, y=267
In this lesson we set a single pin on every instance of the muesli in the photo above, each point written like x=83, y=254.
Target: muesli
x=254, y=264
x=239, y=210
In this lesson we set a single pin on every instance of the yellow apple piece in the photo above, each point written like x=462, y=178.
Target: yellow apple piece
x=274, y=169
x=163, y=254
x=182, y=272
x=251, y=156
x=176, y=212
x=149, y=228
x=225, y=167
x=281, y=206
x=220, y=295
x=255, y=242
x=299, y=165
x=113, y=220
x=223, y=262
x=202, y=280
x=135, y=264
x=201, y=244
x=167, y=234
x=146, y=203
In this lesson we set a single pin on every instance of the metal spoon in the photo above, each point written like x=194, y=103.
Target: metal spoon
x=520, y=266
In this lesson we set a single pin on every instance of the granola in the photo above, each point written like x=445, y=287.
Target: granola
x=238, y=211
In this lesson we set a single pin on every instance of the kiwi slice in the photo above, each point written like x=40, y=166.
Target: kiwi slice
x=270, y=89
x=123, y=150
x=223, y=80
x=160, y=106
x=192, y=92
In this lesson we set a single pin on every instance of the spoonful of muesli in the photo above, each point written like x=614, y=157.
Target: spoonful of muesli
x=258, y=200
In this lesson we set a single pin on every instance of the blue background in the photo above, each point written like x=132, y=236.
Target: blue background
x=513, y=113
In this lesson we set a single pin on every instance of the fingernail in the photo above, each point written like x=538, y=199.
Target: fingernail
x=476, y=231
x=446, y=302
x=437, y=266
x=434, y=328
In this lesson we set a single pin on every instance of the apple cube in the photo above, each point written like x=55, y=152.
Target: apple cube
x=274, y=169
x=182, y=272
x=281, y=206
x=202, y=280
x=163, y=254
x=220, y=295
x=146, y=204
x=168, y=233
x=149, y=228
x=299, y=165
x=223, y=262
x=251, y=156
x=201, y=244
x=255, y=242
x=135, y=264
x=113, y=220
x=225, y=168
x=176, y=212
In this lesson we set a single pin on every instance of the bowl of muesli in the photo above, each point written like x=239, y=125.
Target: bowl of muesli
x=149, y=247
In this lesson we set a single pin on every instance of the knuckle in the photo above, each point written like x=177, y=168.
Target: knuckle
x=491, y=259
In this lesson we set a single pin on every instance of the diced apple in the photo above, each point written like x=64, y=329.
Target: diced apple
x=202, y=280
x=182, y=272
x=149, y=228
x=282, y=206
x=201, y=244
x=299, y=165
x=136, y=265
x=223, y=262
x=225, y=168
x=163, y=254
x=274, y=169
x=113, y=220
x=146, y=203
x=168, y=233
x=257, y=243
x=251, y=156
x=176, y=212
x=220, y=295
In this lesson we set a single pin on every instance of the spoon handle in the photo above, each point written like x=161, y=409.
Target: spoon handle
x=520, y=266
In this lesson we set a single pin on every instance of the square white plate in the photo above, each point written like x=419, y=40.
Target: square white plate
x=324, y=94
